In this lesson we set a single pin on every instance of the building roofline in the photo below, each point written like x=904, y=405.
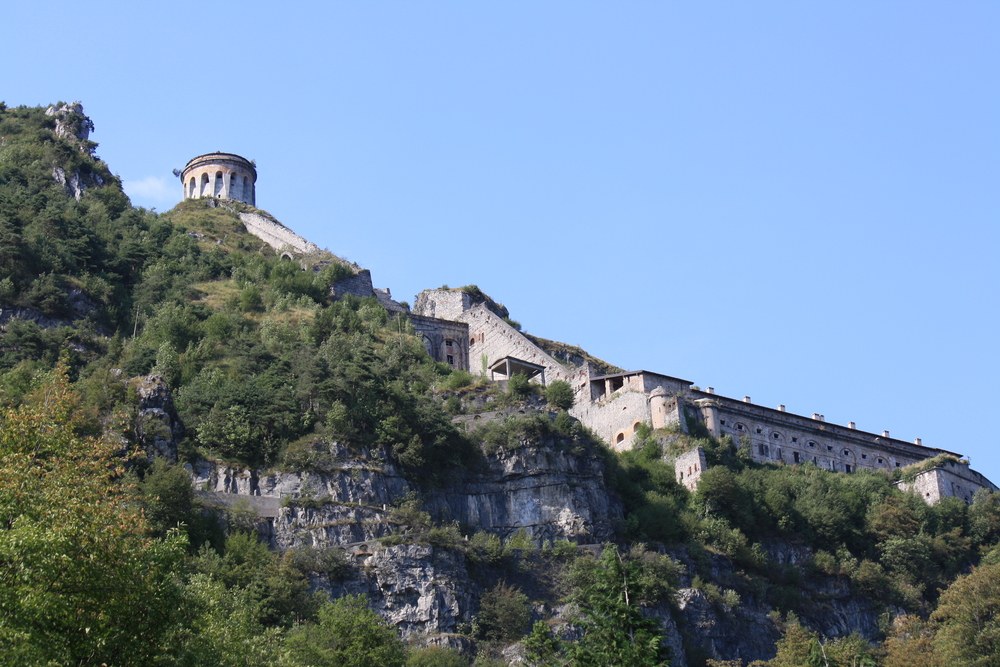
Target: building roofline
x=640, y=372
x=837, y=428
x=222, y=155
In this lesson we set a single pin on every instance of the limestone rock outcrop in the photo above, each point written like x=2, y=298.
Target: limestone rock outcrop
x=157, y=423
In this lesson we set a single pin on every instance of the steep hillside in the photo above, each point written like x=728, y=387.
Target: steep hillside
x=213, y=454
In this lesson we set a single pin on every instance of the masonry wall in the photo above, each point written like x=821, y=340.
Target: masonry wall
x=447, y=342
x=614, y=419
x=776, y=436
x=443, y=304
x=491, y=337
x=277, y=236
x=689, y=466
x=953, y=479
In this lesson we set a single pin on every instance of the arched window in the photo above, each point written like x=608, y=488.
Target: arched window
x=247, y=190
x=620, y=438
x=192, y=184
x=235, y=191
x=217, y=190
x=204, y=186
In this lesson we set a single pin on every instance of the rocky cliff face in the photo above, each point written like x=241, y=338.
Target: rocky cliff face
x=548, y=493
x=72, y=124
x=422, y=589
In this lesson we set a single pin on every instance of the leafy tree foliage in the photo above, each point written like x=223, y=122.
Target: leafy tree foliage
x=436, y=656
x=967, y=619
x=610, y=593
x=347, y=633
x=80, y=580
x=504, y=613
x=559, y=394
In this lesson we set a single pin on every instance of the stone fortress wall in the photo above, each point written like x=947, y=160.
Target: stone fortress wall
x=220, y=175
x=467, y=332
x=446, y=341
x=950, y=479
x=490, y=337
x=614, y=406
x=276, y=235
x=774, y=435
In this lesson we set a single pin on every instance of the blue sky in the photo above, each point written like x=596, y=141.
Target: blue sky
x=794, y=201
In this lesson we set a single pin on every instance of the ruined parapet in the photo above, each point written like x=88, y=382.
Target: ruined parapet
x=220, y=175
x=944, y=477
x=443, y=303
x=689, y=466
x=276, y=235
x=444, y=340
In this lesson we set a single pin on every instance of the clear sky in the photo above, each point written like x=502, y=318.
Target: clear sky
x=794, y=201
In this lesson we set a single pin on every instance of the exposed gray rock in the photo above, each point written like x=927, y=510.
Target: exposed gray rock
x=157, y=423
x=745, y=631
x=550, y=492
x=71, y=121
x=419, y=589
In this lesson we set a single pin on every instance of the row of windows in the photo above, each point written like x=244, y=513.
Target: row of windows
x=764, y=449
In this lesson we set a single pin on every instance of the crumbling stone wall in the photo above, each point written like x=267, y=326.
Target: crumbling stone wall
x=689, y=466
x=443, y=304
x=953, y=479
x=279, y=237
x=447, y=342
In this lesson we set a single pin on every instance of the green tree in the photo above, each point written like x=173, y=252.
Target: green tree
x=967, y=619
x=504, y=613
x=347, y=634
x=168, y=497
x=610, y=593
x=81, y=581
x=224, y=628
x=798, y=647
x=436, y=656
x=559, y=394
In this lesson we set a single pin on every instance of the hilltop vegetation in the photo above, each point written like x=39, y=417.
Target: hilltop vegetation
x=109, y=556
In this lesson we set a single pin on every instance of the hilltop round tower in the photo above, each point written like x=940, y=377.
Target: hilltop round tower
x=220, y=175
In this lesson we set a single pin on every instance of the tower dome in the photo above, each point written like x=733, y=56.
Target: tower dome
x=220, y=175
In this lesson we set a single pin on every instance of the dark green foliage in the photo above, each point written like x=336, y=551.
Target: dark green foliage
x=535, y=429
x=559, y=395
x=654, y=502
x=504, y=613
x=275, y=582
x=347, y=633
x=519, y=386
x=436, y=656
x=610, y=593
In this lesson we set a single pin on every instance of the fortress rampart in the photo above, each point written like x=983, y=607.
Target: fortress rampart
x=220, y=175
x=614, y=406
x=276, y=235
x=774, y=435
